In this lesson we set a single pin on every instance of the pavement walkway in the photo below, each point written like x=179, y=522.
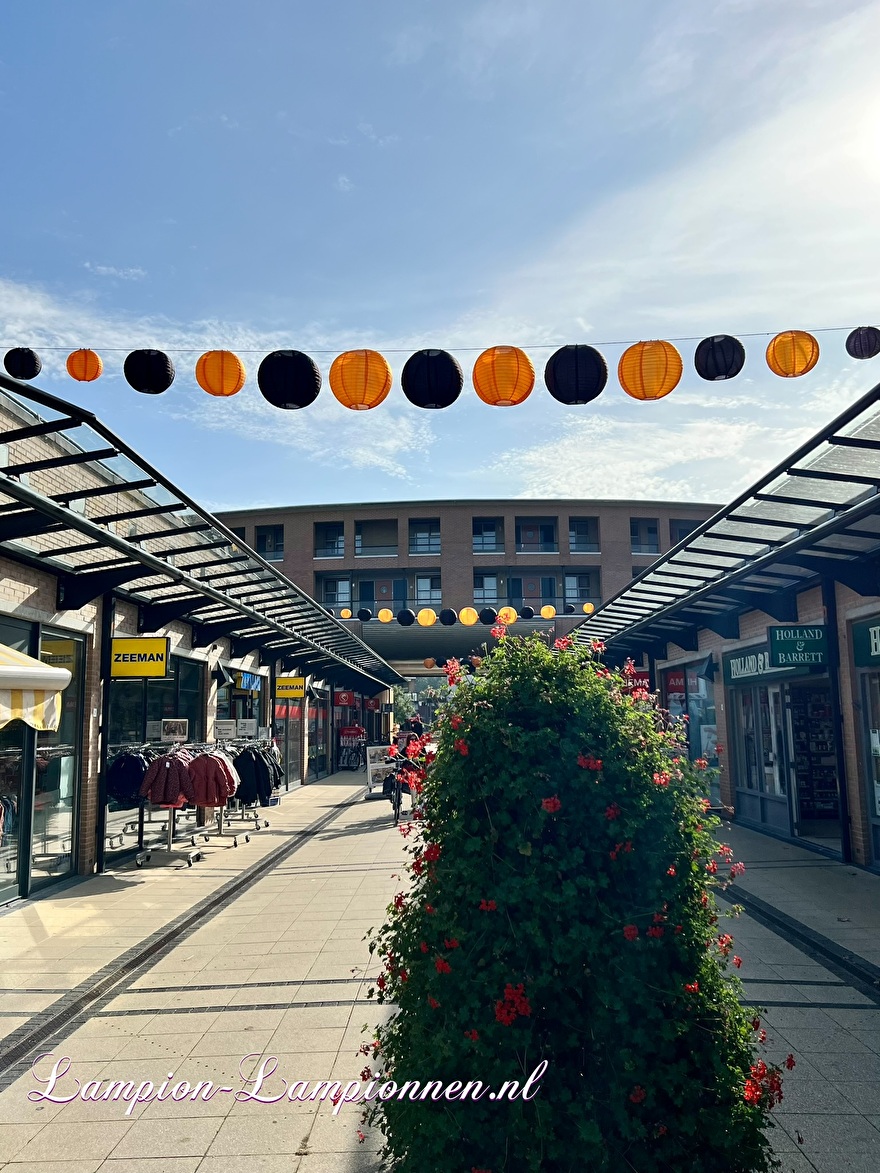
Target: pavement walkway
x=260, y=951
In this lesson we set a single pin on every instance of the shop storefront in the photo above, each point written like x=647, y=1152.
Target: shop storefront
x=783, y=752
x=688, y=690
x=865, y=636
x=139, y=705
x=288, y=730
x=318, y=734
x=242, y=698
x=40, y=771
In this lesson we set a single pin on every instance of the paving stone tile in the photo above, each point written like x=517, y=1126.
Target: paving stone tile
x=841, y=1135
x=87, y=1139
x=90, y=1166
x=150, y=1165
x=164, y=1137
x=14, y=1137
x=273, y=1131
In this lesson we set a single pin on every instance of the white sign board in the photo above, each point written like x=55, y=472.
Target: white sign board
x=247, y=726
x=224, y=730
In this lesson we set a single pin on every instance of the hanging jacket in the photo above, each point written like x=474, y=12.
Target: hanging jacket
x=167, y=780
x=258, y=774
x=125, y=773
x=212, y=780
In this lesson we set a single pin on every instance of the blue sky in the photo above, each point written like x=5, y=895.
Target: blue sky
x=197, y=174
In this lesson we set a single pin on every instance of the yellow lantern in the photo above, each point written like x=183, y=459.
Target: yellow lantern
x=430, y=663
x=345, y=613
x=649, y=370
x=589, y=608
x=548, y=611
x=507, y=615
x=360, y=379
x=792, y=353
x=221, y=373
x=503, y=376
x=426, y=617
x=84, y=365
x=386, y=615
x=468, y=616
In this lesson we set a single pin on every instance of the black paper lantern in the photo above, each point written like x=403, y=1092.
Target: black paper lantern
x=431, y=379
x=488, y=616
x=576, y=374
x=719, y=357
x=441, y=663
x=448, y=617
x=527, y=612
x=22, y=363
x=406, y=618
x=365, y=614
x=149, y=371
x=569, y=608
x=288, y=379
x=863, y=342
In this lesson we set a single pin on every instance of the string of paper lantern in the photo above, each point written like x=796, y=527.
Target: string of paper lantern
x=467, y=616
x=503, y=376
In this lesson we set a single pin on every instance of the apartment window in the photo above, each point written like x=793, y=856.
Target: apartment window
x=488, y=535
x=534, y=589
x=337, y=592
x=536, y=535
x=485, y=588
x=427, y=589
x=270, y=542
x=240, y=531
x=582, y=588
x=424, y=536
x=329, y=539
x=583, y=535
x=366, y=592
x=679, y=530
x=644, y=533
x=373, y=539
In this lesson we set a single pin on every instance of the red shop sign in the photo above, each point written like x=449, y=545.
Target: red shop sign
x=372, y=704
x=641, y=678
x=343, y=698
x=675, y=682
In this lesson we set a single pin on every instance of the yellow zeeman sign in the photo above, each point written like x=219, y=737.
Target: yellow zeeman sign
x=140, y=657
x=292, y=687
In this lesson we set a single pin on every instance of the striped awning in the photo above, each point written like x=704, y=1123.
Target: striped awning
x=30, y=691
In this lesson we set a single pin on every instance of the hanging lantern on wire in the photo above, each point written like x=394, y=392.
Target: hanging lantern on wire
x=22, y=363
x=576, y=374
x=360, y=379
x=863, y=342
x=488, y=616
x=426, y=617
x=386, y=615
x=649, y=370
x=84, y=365
x=507, y=615
x=468, y=616
x=548, y=611
x=589, y=608
x=503, y=376
x=527, y=612
x=792, y=353
x=719, y=357
x=430, y=662
x=345, y=613
x=221, y=373
x=149, y=371
x=365, y=614
x=406, y=618
x=448, y=617
x=569, y=608
x=288, y=379
x=431, y=379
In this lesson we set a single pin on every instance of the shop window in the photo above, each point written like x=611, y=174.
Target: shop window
x=374, y=539
x=329, y=539
x=485, y=588
x=583, y=535
x=137, y=705
x=644, y=535
x=270, y=542
x=424, y=536
x=679, y=530
x=536, y=535
x=488, y=535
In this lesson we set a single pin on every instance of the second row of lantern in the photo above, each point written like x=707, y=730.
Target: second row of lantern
x=503, y=376
x=468, y=616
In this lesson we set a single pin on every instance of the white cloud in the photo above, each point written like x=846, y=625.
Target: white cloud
x=343, y=183
x=133, y=274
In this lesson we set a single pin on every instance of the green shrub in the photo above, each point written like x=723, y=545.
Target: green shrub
x=561, y=910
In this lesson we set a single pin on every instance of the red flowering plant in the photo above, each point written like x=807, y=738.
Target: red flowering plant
x=561, y=909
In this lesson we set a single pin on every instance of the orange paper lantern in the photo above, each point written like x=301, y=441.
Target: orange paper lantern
x=385, y=615
x=84, y=365
x=507, y=615
x=792, y=353
x=649, y=370
x=468, y=616
x=360, y=379
x=503, y=376
x=220, y=373
x=548, y=611
x=430, y=663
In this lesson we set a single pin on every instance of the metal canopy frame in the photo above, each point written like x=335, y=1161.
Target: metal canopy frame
x=176, y=560
x=815, y=515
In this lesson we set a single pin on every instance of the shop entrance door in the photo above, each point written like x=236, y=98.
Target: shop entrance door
x=815, y=794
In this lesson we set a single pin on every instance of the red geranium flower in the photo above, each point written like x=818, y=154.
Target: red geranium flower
x=450, y=943
x=551, y=804
x=455, y=720
x=630, y=932
x=561, y=644
x=488, y=906
x=737, y=961
x=424, y=946
x=461, y=747
x=637, y=1094
x=790, y=1062
x=693, y=987
x=612, y=812
x=499, y=631
x=432, y=852
x=586, y=762
x=442, y=965
x=472, y=1035
x=433, y=1003
x=670, y=871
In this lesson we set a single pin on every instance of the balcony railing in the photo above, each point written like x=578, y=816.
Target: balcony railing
x=424, y=546
x=331, y=550
x=488, y=545
x=272, y=555
x=364, y=551
x=645, y=547
x=537, y=547
x=582, y=546
x=579, y=600
x=428, y=599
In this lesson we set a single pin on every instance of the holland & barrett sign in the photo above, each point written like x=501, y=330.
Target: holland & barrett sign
x=798, y=645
